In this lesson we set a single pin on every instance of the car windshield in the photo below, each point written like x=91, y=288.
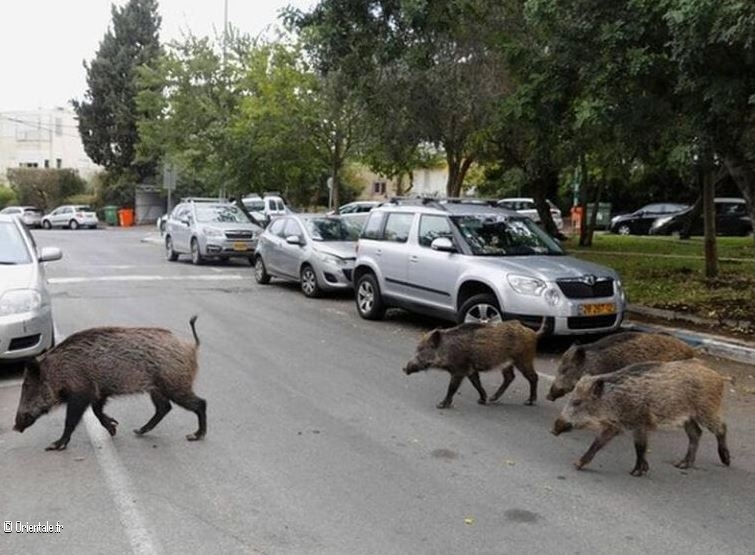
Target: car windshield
x=331, y=229
x=499, y=235
x=220, y=213
x=254, y=205
x=12, y=246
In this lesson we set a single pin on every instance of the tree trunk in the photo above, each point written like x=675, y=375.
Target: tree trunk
x=542, y=186
x=594, y=214
x=709, y=218
x=583, y=235
x=692, y=215
x=743, y=174
x=458, y=166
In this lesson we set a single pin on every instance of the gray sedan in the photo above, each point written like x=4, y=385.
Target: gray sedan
x=318, y=251
x=26, y=328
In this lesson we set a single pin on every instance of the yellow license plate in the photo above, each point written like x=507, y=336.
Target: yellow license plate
x=239, y=246
x=597, y=309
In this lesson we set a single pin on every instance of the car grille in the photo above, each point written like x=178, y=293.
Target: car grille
x=20, y=343
x=579, y=288
x=239, y=234
x=590, y=322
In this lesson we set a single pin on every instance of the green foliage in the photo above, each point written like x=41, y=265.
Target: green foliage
x=7, y=196
x=44, y=188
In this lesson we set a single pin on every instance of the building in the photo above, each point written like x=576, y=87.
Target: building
x=425, y=182
x=42, y=139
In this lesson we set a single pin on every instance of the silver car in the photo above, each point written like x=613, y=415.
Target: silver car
x=26, y=327
x=72, y=216
x=31, y=216
x=318, y=251
x=211, y=229
x=477, y=263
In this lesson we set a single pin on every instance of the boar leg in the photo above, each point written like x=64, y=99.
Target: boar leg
x=76, y=405
x=195, y=404
x=508, y=377
x=453, y=387
x=604, y=437
x=641, y=466
x=528, y=370
x=718, y=427
x=475, y=379
x=693, y=433
x=108, y=422
x=162, y=407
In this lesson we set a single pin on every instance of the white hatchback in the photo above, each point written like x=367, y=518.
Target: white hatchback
x=526, y=207
x=72, y=216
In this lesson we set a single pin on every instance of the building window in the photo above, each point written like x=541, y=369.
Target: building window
x=47, y=163
x=378, y=187
x=28, y=165
x=58, y=163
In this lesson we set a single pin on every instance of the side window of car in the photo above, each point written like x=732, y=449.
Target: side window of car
x=397, y=227
x=292, y=228
x=276, y=227
x=373, y=228
x=432, y=227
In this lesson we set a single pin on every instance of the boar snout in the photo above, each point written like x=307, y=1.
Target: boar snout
x=411, y=367
x=23, y=421
x=555, y=393
x=560, y=426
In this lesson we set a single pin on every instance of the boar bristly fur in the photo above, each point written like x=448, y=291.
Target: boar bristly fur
x=468, y=349
x=92, y=365
x=643, y=397
x=613, y=353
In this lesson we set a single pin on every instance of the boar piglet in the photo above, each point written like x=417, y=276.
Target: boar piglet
x=613, y=353
x=643, y=397
x=468, y=349
x=94, y=364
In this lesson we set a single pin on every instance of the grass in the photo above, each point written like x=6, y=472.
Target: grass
x=666, y=272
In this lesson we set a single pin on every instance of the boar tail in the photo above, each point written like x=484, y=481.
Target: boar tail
x=193, y=329
x=544, y=328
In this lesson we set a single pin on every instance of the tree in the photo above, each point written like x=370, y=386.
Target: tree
x=108, y=113
x=45, y=188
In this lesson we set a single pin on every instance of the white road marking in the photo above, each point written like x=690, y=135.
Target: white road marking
x=200, y=277
x=120, y=486
x=11, y=383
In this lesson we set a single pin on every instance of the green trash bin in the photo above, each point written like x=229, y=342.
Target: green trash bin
x=111, y=215
x=603, y=217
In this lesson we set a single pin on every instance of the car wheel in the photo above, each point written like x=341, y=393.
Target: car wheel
x=309, y=285
x=73, y=224
x=369, y=301
x=196, y=256
x=623, y=229
x=260, y=272
x=46, y=224
x=481, y=309
x=170, y=254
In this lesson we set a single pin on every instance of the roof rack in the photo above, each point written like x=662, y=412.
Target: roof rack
x=468, y=200
x=204, y=199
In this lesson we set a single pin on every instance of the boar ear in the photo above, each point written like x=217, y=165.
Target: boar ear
x=434, y=338
x=597, y=388
x=579, y=353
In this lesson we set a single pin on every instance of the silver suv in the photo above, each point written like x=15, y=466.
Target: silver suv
x=209, y=229
x=478, y=263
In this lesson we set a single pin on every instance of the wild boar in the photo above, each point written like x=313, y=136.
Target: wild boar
x=92, y=365
x=612, y=353
x=468, y=349
x=643, y=397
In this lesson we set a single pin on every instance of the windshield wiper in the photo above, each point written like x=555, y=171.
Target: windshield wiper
x=7, y=263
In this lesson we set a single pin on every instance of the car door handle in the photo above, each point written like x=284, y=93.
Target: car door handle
x=414, y=259
x=378, y=252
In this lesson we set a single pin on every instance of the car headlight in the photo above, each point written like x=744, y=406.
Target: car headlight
x=526, y=285
x=213, y=232
x=330, y=259
x=19, y=301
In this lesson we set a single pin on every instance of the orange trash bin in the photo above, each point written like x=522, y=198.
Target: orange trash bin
x=126, y=217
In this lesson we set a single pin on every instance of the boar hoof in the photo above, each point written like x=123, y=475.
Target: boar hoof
x=640, y=470
x=57, y=446
x=195, y=436
x=529, y=402
x=482, y=401
x=443, y=405
x=139, y=432
x=579, y=465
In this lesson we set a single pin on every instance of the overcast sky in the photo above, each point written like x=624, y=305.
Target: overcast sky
x=43, y=42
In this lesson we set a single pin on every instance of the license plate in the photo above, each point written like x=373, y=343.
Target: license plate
x=239, y=246
x=597, y=309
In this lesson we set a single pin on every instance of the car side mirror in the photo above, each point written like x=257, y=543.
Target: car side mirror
x=186, y=222
x=293, y=240
x=48, y=254
x=442, y=244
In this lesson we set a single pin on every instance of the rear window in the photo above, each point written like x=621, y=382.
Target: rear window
x=35, y=211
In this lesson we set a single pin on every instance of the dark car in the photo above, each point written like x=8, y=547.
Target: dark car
x=732, y=218
x=639, y=221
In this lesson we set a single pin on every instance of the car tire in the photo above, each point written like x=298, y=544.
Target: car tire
x=196, y=257
x=367, y=295
x=308, y=279
x=260, y=272
x=623, y=229
x=170, y=254
x=46, y=224
x=73, y=224
x=482, y=308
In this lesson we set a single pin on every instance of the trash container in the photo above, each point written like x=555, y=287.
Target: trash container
x=111, y=215
x=603, y=217
x=126, y=217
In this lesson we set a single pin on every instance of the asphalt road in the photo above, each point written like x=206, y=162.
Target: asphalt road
x=317, y=442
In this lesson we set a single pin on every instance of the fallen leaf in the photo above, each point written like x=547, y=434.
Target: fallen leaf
x=469, y=521
x=510, y=462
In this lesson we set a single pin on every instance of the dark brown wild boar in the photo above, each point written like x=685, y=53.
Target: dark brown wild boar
x=468, y=349
x=643, y=397
x=613, y=353
x=94, y=364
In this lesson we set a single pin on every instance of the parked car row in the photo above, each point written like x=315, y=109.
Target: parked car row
x=731, y=215
x=71, y=216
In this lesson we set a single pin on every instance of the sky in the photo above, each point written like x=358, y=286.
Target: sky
x=44, y=42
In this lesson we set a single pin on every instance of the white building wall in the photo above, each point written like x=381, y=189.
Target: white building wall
x=42, y=138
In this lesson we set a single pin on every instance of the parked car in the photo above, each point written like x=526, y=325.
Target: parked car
x=355, y=221
x=526, y=207
x=26, y=324
x=317, y=250
x=639, y=221
x=72, y=216
x=30, y=215
x=266, y=207
x=206, y=229
x=476, y=263
x=356, y=207
x=732, y=218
